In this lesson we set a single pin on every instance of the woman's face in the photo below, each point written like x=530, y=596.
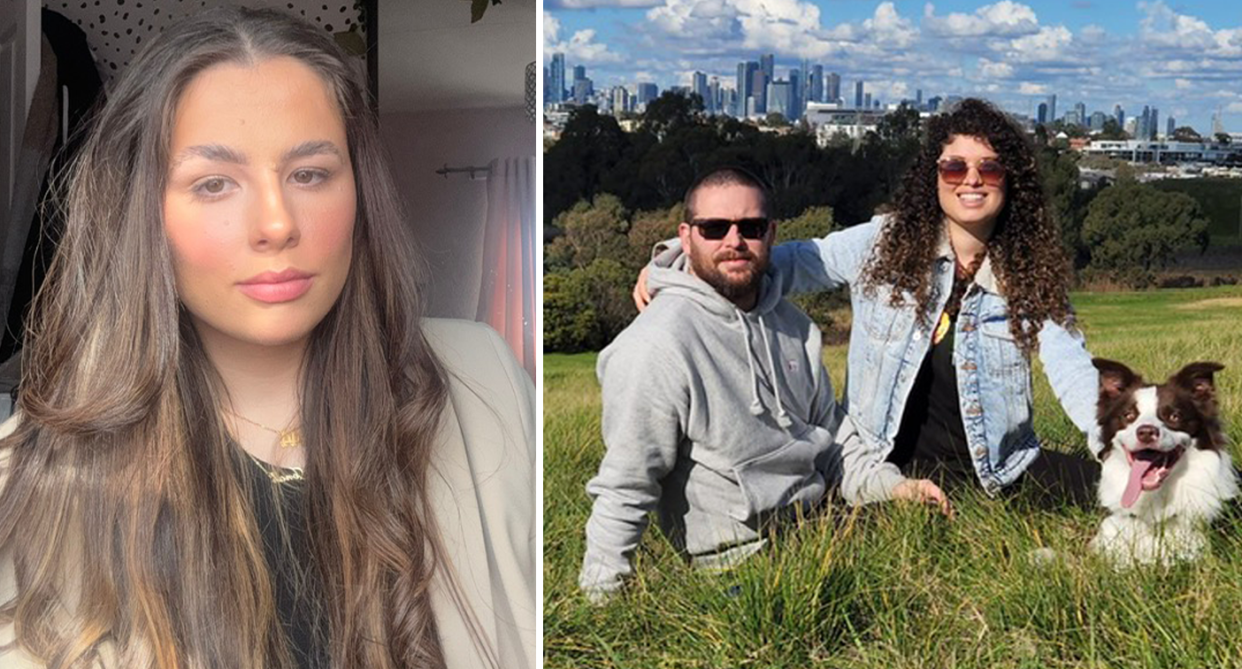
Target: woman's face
x=259, y=205
x=975, y=202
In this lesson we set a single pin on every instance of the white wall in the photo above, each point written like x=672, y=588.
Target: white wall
x=447, y=215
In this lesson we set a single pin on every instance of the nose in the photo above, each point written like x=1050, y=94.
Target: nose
x=1147, y=434
x=973, y=178
x=275, y=226
x=733, y=238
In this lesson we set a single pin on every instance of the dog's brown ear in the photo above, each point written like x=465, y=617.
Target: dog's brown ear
x=1115, y=378
x=1198, y=378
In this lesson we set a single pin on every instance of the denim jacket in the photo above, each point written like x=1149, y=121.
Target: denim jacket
x=888, y=345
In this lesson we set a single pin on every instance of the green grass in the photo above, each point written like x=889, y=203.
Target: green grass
x=897, y=586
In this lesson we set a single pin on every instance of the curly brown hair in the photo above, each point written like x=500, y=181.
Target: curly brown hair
x=1025, y=248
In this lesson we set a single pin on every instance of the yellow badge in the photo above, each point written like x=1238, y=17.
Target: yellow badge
x=942, y=328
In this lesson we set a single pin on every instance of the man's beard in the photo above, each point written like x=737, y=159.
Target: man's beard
x=731, y=286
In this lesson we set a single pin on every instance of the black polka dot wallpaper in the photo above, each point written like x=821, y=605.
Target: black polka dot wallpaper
x=117, y=29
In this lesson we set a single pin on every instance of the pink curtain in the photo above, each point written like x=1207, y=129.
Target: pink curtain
x=507, y=295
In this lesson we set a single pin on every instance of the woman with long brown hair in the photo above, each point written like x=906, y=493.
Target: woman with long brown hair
x=237, y=443
x=953, y=293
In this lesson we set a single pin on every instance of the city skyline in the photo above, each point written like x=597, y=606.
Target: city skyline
x=1013, y=53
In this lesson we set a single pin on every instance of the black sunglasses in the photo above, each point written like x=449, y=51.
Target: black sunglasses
x=717, y=228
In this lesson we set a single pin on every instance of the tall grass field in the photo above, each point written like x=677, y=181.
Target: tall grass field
x=896, y=585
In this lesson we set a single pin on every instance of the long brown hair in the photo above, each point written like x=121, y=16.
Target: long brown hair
x=1025, y=248
x=122, y=480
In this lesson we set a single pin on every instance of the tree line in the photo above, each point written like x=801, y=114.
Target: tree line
x=610, y=195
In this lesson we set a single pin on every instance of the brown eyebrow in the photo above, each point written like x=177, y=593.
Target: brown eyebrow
x=214, y=152
x=221, y=153
x=311, y=148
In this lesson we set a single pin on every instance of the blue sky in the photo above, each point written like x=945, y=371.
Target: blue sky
x=1184, y=58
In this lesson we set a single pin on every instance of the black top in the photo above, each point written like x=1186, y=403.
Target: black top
x=280, y=514
x=931, y=440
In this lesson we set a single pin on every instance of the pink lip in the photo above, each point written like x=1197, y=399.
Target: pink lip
x=275, y=287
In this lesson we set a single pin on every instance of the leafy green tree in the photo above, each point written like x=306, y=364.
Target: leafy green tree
x=672, y=111
x=1112, y=131
x=1134, y=229
x=1223, y=138
x=776, y=120
x=1186, y=133
x=1067, y=200
x=591, y=145
x=586, y=307
x=589, y=231
x=649, y=228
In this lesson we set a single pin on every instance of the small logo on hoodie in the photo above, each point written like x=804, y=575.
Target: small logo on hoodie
x=791, y=366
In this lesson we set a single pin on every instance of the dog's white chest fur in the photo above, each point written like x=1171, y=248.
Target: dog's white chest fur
x=1165, y=473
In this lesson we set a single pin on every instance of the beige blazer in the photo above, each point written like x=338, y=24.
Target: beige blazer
x=483, y=494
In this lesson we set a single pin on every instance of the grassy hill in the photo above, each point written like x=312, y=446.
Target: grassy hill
x=898, y=586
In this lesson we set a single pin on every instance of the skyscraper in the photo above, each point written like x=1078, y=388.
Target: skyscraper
x=620, y=100
x=832, y=87
x=1142, y=125
x=698, y=86
x=1120, y=115
x=558, y=78
x=579, y=72
x=779, y=98
x=713, y=92
x=1080, y=110
x=1041, y=115
x=745, y=80
x=796, y=94
x=1170, y=126
x=858, y=94
x=815, y=92
x=646, y=93
x=759, y=91
x=768, y=65
x=1153, y=125
x=1052, y=107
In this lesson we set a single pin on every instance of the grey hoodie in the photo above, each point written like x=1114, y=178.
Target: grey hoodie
x=718, y=419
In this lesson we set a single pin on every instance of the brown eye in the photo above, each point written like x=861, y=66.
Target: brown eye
x=1132, y=413
x=214, y=186
x=1174, y=416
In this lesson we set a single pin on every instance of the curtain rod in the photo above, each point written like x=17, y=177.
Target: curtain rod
x=446, y=170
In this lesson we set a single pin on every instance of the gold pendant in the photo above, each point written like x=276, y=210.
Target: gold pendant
x=290, y=438
x=942, y=328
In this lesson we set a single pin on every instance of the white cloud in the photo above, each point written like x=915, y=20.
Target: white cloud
x=1164, y=28
x=1234, y=107
x=1183, y=84
x=995, y=70
x=592, y=4
x=1003, y=19
x=551, y=28
x=784, y=27
x=581, y=48
x=1028, y=88
x=890, y=29
x=1050, y=44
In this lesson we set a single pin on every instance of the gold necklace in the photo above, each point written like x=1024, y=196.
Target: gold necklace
x=287, y=438
x=276, y=473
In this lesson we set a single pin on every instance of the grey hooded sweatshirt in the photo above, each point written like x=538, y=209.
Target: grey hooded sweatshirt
x=721, y=420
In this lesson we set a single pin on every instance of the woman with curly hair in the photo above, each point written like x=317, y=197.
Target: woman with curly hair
x=953, y=293
x=238, y=442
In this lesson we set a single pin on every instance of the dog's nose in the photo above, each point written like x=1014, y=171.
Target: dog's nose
x=1147, y=433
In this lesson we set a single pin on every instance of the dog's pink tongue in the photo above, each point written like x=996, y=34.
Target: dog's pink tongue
x=1135, y=485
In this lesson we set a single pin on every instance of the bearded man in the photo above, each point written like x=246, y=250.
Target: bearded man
x=718, y=413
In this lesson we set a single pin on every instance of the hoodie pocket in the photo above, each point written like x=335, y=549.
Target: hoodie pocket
x=778, y=479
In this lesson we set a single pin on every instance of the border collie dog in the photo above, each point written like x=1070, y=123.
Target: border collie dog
x=1165, y=469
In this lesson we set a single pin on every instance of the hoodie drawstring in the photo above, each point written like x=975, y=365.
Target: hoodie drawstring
x=756, y=407
x=782, y=417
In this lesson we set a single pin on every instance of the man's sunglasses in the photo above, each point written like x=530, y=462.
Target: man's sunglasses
x=953, y=171
x=717, y=228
